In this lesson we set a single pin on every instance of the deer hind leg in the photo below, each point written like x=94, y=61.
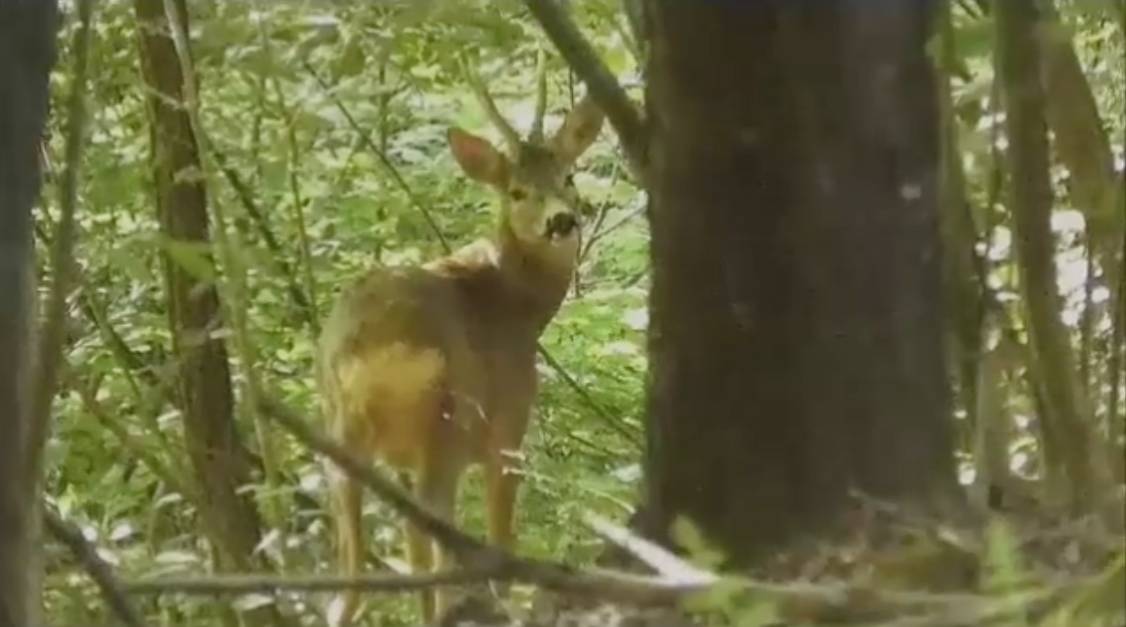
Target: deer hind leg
x=347, y=500
x=436, y=490
x=420, y=554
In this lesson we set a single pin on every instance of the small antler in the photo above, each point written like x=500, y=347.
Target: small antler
x=511, y=137
x=541, y=97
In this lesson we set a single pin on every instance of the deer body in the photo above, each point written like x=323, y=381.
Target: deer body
x=432, y=368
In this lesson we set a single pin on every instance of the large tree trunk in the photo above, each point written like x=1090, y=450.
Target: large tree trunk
x=1066, y=416
x=796, y=322
x=27, y=52
x=204, y=391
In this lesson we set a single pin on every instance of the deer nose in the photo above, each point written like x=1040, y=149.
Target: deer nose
x=561, y=225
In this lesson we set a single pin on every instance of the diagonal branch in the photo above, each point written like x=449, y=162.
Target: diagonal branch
x=623, y=114
x=461, y=544
x=246, y=199
x=97, y=568
x=365, y=137
x=616, y=425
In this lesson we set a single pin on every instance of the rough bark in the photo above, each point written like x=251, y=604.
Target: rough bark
x=796, y=325
x=27, y=52
x=204, y=380
x=1066, y=416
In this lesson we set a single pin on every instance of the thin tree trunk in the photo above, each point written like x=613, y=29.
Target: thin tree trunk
x=1067, y=416
x=27, y=53
x=1083, y=146
x=796, y=326
x=960, y=279
x=204, y=391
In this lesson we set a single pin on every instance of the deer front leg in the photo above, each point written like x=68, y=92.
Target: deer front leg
x=420, y=555
x=346, y=504
x=503, y=460
x=502, y=479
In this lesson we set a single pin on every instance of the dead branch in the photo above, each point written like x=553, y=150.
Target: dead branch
x=246, y=199
x=656, y=557
x=475, y=554
x=382, y=156
x=617, y=426
x=96, y=567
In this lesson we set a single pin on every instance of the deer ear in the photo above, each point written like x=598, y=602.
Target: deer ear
x=478, y=158
x=579, y=130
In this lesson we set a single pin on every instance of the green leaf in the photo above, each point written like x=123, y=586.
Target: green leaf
x=194, y=257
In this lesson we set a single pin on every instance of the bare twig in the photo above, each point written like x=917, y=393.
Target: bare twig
x=1115, y=365
x=600, y=219
x=93, y=311
x=598, y=235
x=246, y=199
x=298, y=203
x=656, y=557
x=138, y=448
x=615, y=425
x=382, y=156
x=623, y=114
x=464, y=546
x=62, y=251
x=250, y=583
x=98, y=569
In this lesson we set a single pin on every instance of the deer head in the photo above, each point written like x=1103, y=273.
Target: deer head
x=539, y=207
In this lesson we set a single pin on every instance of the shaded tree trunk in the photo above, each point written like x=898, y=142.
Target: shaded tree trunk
x=1066, y=415
x=796, y=322
x=27, y=53
x=204, y=381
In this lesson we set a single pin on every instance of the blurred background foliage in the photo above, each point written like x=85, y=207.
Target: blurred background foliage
x=303, y=102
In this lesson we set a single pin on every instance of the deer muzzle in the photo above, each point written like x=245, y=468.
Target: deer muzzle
x=561, y=225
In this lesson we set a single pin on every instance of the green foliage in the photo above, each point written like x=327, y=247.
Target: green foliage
x=394, y=68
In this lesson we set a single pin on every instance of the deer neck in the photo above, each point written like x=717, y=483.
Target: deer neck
x=534, y=279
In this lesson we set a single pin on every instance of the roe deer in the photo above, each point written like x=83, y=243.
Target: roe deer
x=432, y=368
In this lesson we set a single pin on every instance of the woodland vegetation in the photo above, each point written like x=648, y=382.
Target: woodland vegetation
x=847, y=330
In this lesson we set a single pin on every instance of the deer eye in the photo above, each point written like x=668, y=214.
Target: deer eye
x=517, y=194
